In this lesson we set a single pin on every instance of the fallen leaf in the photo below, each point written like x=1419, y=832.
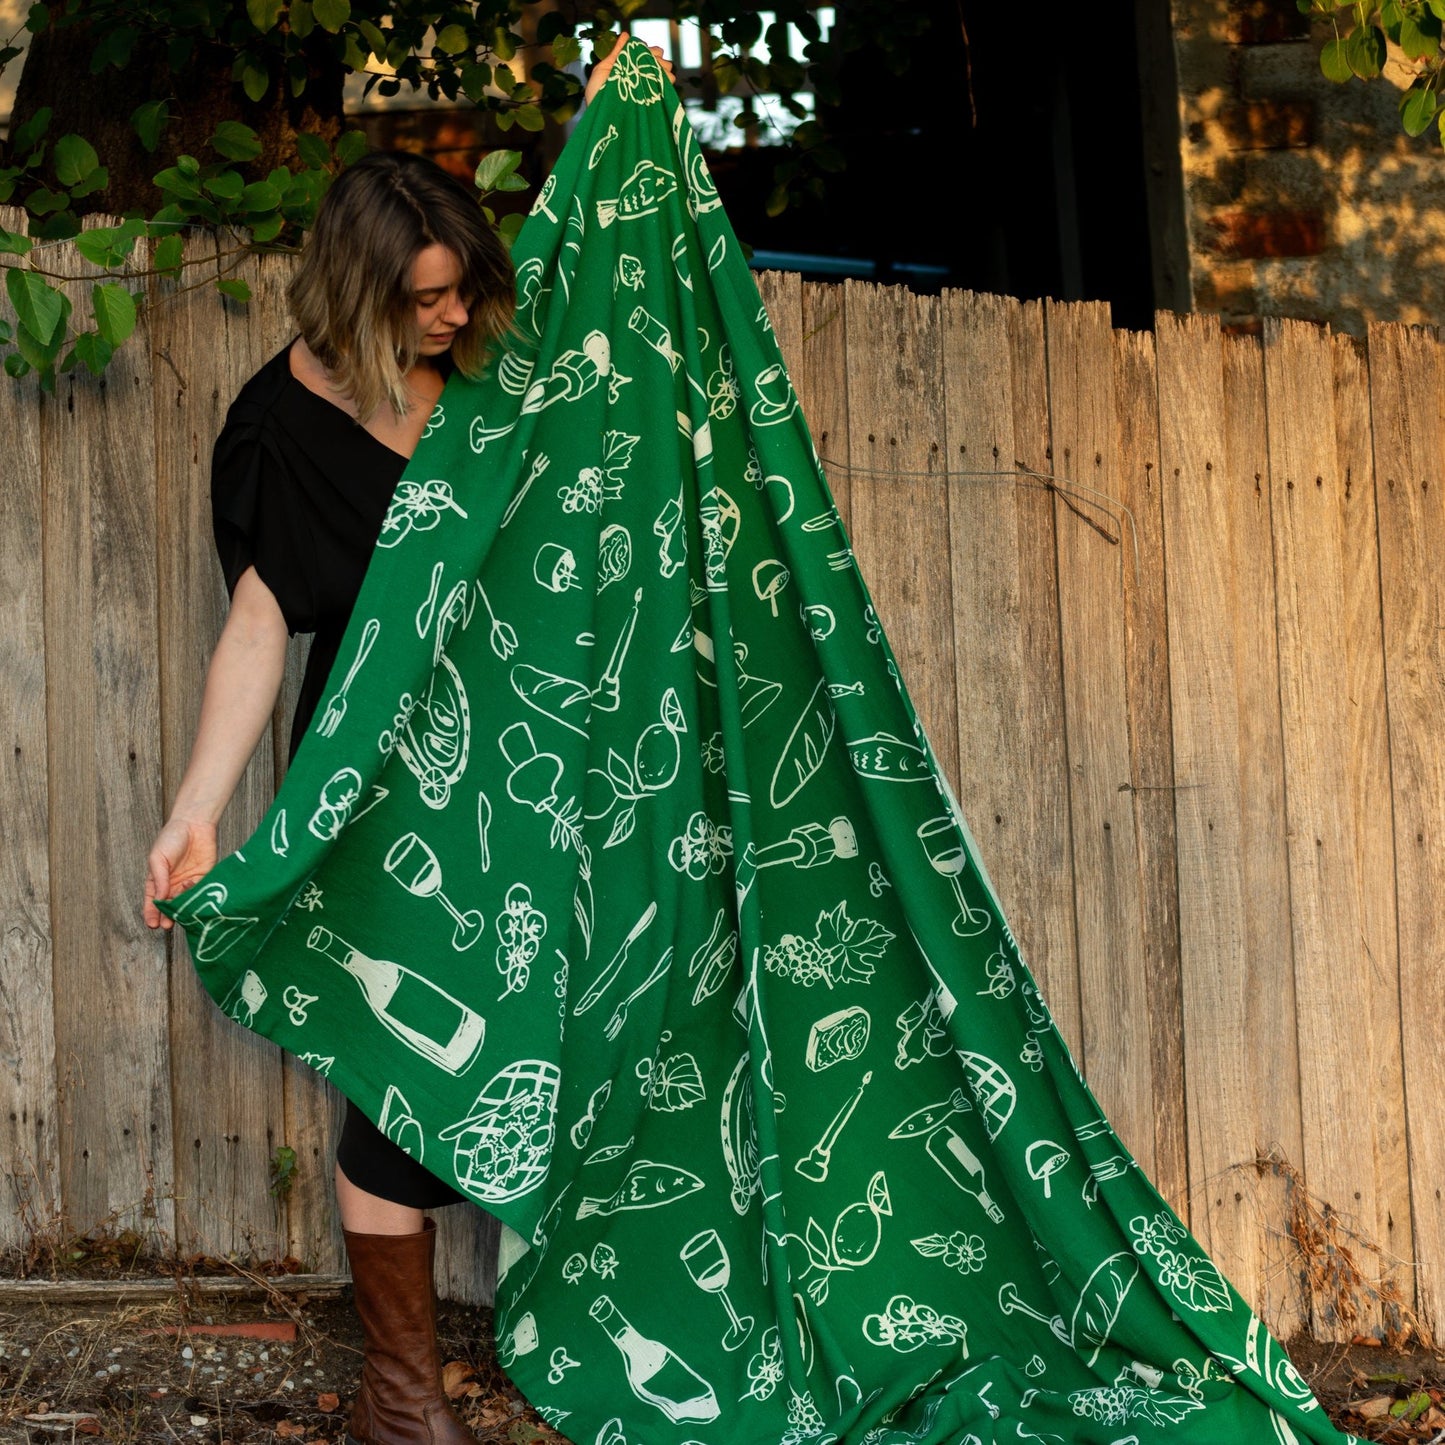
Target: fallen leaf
x=327, y=1401
x=1375, y=1408
x=456, y=1376
x=288, y=1429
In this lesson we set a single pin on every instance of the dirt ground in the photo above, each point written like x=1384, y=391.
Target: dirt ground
x=157, y=1369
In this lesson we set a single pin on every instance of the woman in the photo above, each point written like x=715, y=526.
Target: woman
x=401, y=280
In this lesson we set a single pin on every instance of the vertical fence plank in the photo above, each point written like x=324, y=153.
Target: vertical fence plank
x=1238, y=1059
x=1151, y=744
x=228, y=1112
x=29, y=1145
x=1406, y=381
x=1331, y=965
x=102, y=702
x=1047, y=937
x=899, y=502
x=1012, y=785
x=825, y=380
x=1091, y=561
x=1368, y=782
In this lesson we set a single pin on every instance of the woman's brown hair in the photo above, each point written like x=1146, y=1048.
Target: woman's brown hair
x=351, y=296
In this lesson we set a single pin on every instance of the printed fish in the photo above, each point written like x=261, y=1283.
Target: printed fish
x=641, y=194
x=646, y=1186
x=889, y=759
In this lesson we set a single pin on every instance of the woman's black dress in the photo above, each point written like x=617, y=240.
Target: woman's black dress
x=298, y=491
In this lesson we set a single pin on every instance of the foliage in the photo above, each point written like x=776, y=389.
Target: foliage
x=1364, y=35
x=459, y=49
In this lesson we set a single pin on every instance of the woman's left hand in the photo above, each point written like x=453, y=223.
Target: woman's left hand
x=603, y=68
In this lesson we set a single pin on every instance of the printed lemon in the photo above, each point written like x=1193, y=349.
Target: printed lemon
x=858, y=1229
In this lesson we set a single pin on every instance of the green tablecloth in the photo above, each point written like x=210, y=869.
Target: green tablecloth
x=618, y=884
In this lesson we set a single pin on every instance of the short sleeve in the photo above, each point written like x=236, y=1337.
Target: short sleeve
x=257, y=514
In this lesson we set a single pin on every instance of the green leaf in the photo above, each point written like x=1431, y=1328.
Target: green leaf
x=1420, y=36
x=188, y=166
x=37, y=18
x=28, y=134
x=236, y=290
x=1437, y=9
x=296, y=75
x=255, y=81
x=16, y=366
x=94, y=351
x=303, y=19
x=264, y=13
x=1335, y=62
x=12, y=243
x=75, y=159
x=7, y=331
x=39, y=307
x=97, y=180
x=235, y=141
x=167, y=258
x=331, y=15
x=1417, y=109
x=175, y=181
x=42, y=201
x=114, y=312
x=62, y=226
x=226, y=185
x=530, y=117
x=37, y=352
x=454, y=39
x=100, y=246
x=313, y=151
x=504, y=43
x=268, y=228
x=777, y=201
x=147, y=121
x=495, y=168
x=475, y=80
x=351, y=146
x=260, y=196
x=1366, y=51
x=374, y=36
x=566, y=50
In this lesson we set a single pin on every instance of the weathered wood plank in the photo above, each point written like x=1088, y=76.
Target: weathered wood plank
x=1092, y=558
x=1368, y=776
x=899, y=499
x=1406, y=381
x=1331, y=965
x=118, y=1291
x=1012, y=787
x=228, y=1113
x=29, y=1143
x=1238, y=1056
x=825, y=387
x=1151, y=743
x=102, y=703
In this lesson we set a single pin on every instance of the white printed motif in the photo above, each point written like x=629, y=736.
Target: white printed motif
x=245, y=1000
x=707, y=1261
x=614, y=555
x=646, y=1185
x=712, y=960
x=905, y=1326
x=923, y=1034
x=280, y=844
x=934, y=1124
x=841, y=950
x=641, y=194
x=943, y=842
x=435, y=736
x=815, y=1163
x=504, y=1143
x=656, y=757
x=1044, y=1159
x=857, y=1232
x=520, y=927
x=400, y=1125
x=805, y=748
x=837, y=1038
x=414, y=865
x=673, y=1083
x=770, y=577
x=220, y=932
x=338, y=797
x=1189, y=1276
x=416, y=507
x=297, y=1003
x=1097, y=1312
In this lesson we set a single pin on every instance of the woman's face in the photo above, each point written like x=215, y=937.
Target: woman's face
x=441, y=309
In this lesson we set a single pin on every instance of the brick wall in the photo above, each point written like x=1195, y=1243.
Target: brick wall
x=1302, y=197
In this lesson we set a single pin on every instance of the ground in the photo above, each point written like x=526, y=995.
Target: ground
x=174, y=1368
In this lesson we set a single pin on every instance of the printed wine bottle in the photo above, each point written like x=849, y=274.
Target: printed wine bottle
x=962, y=1165
x=424, y=1017
x=654, y=1372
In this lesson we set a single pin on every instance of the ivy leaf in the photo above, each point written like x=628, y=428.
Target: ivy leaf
x=1335, y=62
x=255, y=81
x=147, y=121
x=264, y=13
x=39, y=307
x=495, y=168
x=236, y=290
x=167, y=259
x=351, y=146
x=331, y=15
x=1417, y=109
x=235, y=141
x=454, y=39
x=114, y=310
x=313, y=151
x=75, y=159
x=93, y=350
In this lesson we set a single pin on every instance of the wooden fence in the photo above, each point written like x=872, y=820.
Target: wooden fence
x=1169, y=606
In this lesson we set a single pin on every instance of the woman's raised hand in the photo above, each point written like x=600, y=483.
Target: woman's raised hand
x=183, y=853
x=603, y=68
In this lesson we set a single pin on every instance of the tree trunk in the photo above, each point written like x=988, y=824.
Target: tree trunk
x=56, y=73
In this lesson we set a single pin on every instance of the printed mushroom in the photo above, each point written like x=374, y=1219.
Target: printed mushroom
x=769, y=579
x=1045, y=1159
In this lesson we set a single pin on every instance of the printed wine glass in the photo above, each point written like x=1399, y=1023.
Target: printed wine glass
x=707, y=1261
x=941, y=841
x=413, y=864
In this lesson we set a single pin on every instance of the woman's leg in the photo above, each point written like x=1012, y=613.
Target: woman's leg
x=363, y=1213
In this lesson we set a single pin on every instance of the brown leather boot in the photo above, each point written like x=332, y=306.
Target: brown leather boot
x=400, y=1401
